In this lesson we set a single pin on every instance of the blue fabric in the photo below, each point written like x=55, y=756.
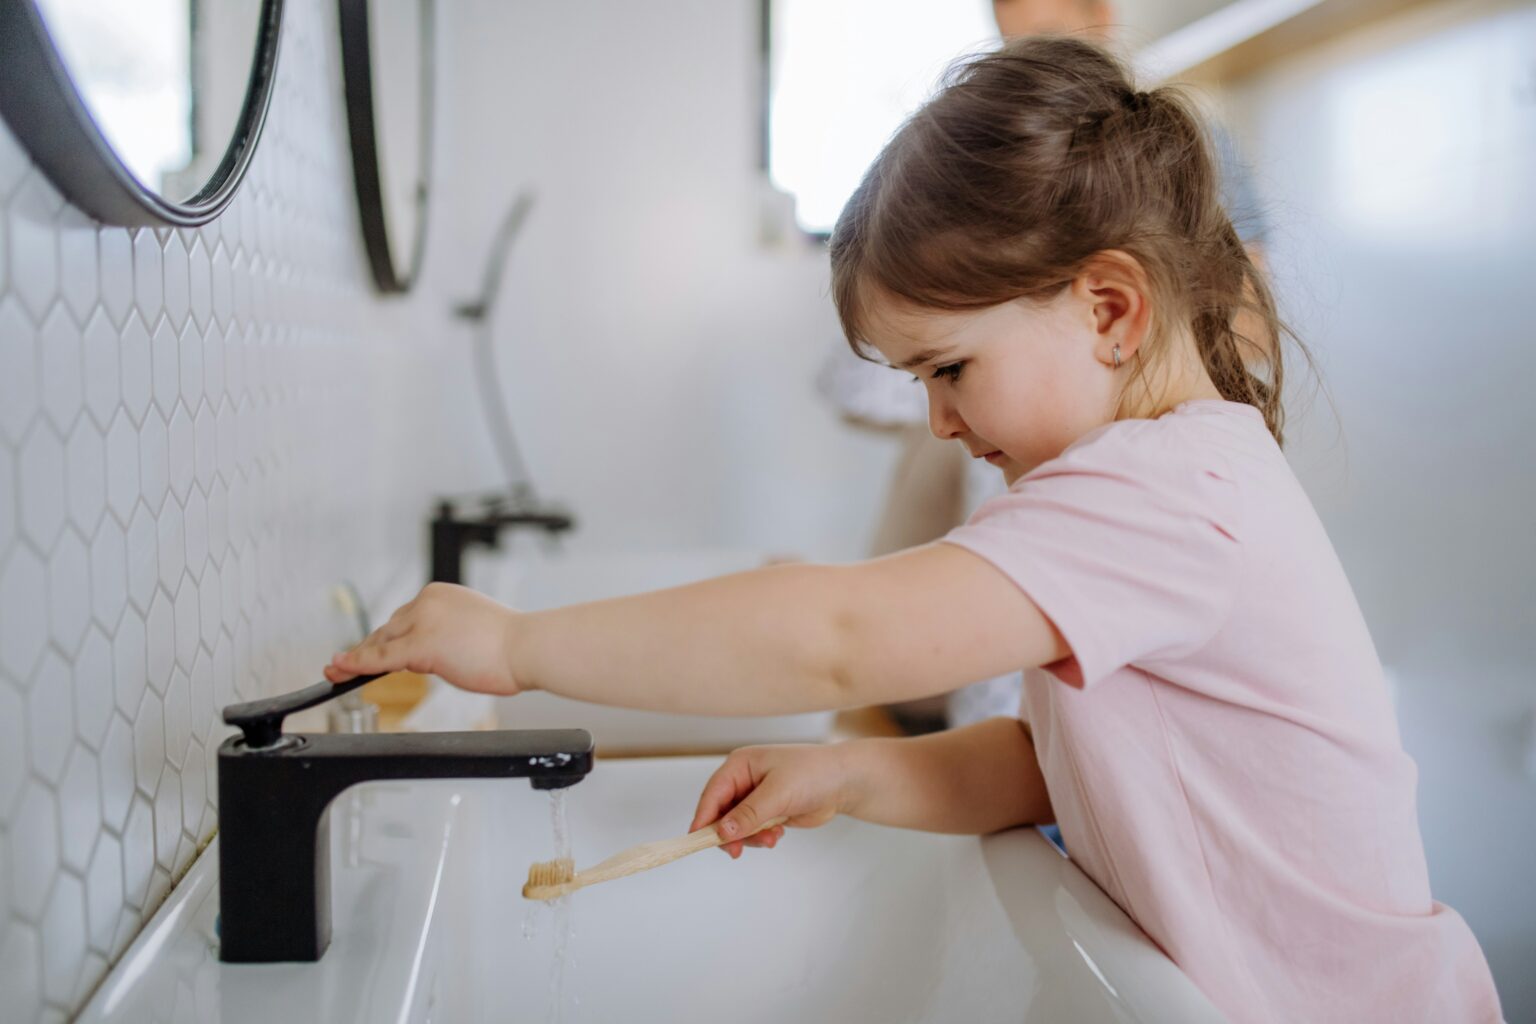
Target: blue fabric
x=1237, y=191
x=1053, y=833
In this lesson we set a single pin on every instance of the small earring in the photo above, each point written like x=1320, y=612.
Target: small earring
x=1117, y=357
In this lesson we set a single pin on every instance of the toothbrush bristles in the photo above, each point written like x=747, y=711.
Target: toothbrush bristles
x=548, y=874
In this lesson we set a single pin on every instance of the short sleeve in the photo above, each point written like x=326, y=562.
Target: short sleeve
x=1131, y=547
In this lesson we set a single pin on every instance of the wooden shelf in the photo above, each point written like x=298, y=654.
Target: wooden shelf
x=396, y=695
x=1247, y=35
x=856, y=723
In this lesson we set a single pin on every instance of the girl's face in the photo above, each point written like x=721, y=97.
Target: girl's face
x=1015, y=383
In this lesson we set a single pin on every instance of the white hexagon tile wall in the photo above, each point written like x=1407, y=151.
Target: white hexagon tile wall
x=200, y=432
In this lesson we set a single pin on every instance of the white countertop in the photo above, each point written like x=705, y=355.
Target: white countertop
x=848, y=922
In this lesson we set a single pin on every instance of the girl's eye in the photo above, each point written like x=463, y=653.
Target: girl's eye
x=950, y=373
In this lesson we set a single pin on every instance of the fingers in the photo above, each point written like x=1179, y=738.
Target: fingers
x=398, y=625
x=730, y=782
x=766, y=839
x=387, y=649
x=738, y=798
x=365, y=657
x=743, y=821
x=723, y=795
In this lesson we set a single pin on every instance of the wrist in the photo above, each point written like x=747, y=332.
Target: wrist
x=853, y=758
x=517, y=650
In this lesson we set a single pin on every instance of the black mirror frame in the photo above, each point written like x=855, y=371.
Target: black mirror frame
x=39, y=101
x=357, y=79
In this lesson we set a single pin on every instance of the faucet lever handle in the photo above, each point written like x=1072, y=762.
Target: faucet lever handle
x=262, y=720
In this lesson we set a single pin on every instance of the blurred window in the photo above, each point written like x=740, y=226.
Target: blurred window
x=841, y=77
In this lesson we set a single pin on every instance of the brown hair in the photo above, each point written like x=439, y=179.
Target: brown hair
x=1027, y=163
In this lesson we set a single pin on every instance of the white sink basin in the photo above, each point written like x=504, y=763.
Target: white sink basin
x=846, y=923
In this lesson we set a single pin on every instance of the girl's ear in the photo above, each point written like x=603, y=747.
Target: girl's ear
x=1116, y=292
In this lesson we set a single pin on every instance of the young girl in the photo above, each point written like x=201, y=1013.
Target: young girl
x=1204, y=713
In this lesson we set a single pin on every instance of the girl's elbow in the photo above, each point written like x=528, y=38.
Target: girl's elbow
x=841, y=663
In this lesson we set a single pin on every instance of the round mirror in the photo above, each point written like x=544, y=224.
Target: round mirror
x=387, y=61
x=140, y=113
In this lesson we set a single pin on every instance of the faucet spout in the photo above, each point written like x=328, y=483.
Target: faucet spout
x=274, y=800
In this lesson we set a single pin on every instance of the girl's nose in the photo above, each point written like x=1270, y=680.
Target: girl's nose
x=943, y=420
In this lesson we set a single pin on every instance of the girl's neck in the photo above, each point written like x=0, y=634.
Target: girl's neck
x=1180, y=379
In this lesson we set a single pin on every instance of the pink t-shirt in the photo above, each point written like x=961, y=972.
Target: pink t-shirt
x=1220, y=749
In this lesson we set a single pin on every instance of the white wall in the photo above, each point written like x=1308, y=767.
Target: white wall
x=200, y=433
x=660, y=363
x=1398, y=163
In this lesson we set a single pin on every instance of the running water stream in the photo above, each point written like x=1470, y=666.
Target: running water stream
x=564, y=960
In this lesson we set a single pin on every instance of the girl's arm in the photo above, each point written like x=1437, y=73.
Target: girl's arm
x=976, y=780
x=782, y=639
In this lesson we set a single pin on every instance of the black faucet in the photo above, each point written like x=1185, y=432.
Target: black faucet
x=451, y=534
x=275, y=791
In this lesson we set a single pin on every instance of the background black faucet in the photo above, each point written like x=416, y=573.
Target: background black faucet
x=276, y=788
x=452, y=533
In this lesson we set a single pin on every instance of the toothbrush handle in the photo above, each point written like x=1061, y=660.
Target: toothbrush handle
x=653, y=855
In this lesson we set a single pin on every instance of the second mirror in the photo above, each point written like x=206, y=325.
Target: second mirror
x=387, y=49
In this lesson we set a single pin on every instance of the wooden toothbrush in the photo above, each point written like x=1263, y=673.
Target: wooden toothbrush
x=553, y=878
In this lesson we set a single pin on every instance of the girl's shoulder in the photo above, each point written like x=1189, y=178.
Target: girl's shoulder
x=1199, y=457
x=1201, y=434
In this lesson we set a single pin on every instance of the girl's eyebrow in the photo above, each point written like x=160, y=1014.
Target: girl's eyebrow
x=923, y=357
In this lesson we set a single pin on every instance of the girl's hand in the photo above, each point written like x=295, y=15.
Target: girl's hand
x=807, y=782
x=447, y=631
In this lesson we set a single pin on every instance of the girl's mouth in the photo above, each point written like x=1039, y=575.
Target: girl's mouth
x=994, y=458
